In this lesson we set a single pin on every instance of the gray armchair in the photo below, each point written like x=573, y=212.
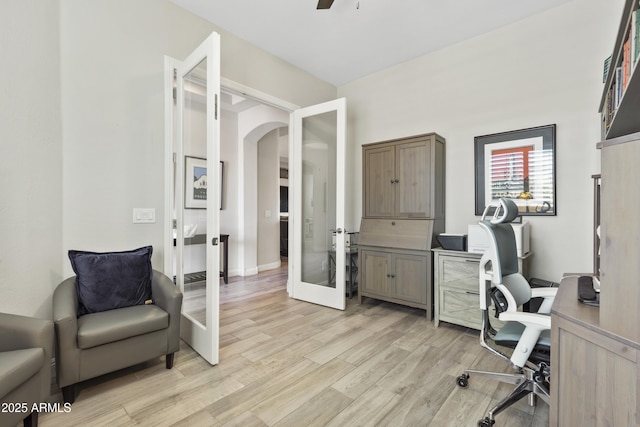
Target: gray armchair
x=98, y=343
x=26, y=348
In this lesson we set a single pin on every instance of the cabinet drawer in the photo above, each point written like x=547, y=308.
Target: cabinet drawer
x=460, y=307
x=463, y=308
x=458, y=272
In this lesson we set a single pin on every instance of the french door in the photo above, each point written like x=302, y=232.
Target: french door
x=319, y=135
x=196, y=171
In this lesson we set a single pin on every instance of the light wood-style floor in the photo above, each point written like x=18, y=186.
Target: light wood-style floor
x=285, y=362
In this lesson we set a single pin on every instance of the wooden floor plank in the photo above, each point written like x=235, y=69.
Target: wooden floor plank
x=285, y=362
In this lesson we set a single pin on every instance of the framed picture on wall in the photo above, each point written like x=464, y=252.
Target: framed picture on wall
x=518, y=165
x=195, y=182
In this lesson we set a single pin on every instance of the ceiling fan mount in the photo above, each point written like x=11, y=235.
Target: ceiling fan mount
x=324, y=4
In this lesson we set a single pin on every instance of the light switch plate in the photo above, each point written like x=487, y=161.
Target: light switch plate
x=144, y=215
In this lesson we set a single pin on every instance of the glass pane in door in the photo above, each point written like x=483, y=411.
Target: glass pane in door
x=318, y=197
x=194, y=214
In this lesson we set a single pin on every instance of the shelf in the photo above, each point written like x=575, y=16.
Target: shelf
x=624, y=119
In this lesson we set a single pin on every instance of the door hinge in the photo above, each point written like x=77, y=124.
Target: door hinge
x=216, y=107
x=175, y=158
x=214, y=241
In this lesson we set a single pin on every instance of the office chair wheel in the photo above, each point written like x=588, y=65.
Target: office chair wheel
x=486, y=422
x=463, y=380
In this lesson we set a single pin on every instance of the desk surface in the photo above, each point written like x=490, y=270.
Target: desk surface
x=567, y=306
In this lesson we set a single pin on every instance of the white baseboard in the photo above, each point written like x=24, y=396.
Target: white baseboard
x=270, y=266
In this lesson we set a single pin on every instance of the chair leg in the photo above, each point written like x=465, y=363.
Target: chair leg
x=518, y=393
x=169, y=360
x=31, y=420
x=69, y=394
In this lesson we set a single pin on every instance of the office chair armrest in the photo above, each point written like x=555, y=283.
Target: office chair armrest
x=548, y=294
x=538, y=321
x=543, y=292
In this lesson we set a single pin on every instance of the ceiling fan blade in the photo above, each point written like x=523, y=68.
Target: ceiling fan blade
x=324, y=4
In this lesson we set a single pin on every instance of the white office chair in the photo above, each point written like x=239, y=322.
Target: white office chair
x=528, y=334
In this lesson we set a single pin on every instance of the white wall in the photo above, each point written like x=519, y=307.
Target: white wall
x=542, y=70
x=85, y=112
x=253, y=124
x=113, y=121
x=31, y=153
x=268, y=217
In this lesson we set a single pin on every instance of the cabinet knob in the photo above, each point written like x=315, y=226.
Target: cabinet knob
x=393, y=223
x=392, y=181
x=396, y=180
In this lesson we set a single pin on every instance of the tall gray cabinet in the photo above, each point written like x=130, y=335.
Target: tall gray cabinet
x=403, y=210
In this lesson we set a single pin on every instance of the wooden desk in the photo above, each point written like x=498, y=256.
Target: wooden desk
x=594, y=372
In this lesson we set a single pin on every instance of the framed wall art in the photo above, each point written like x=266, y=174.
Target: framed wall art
x=519, y=165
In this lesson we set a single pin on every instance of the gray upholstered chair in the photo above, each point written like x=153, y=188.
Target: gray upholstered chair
x=98, y=343
x=26, y=349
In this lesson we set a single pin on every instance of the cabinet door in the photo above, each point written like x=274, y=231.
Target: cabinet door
x=410, y=277
x=375, y=272
x=379, y=181
x=413, y=185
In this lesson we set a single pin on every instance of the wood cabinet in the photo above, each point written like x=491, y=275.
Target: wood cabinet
x=396, y=275
x=404, y=178
x=403, y=211
x=594, y=372
x=455, y=287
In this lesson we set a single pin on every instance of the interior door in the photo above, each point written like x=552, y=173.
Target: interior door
x=319, y=255
x=197, y=201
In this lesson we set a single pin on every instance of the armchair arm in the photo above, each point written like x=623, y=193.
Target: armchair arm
x=65, y=306
x=20, y=332
x=167, y=296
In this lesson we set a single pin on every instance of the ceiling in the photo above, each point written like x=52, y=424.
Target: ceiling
x=359, y=37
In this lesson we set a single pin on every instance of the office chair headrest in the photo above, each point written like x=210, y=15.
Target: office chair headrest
x=505, y=211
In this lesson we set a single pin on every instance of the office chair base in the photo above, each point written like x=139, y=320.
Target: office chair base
x=486, y=422
x=529, y=383
x=463, y=379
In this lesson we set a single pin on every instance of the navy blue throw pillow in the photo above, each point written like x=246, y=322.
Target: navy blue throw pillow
x=110, y=280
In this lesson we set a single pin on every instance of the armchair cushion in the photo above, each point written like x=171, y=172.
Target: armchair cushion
x=114, y=325
x=17, y=366
x=110, y=280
